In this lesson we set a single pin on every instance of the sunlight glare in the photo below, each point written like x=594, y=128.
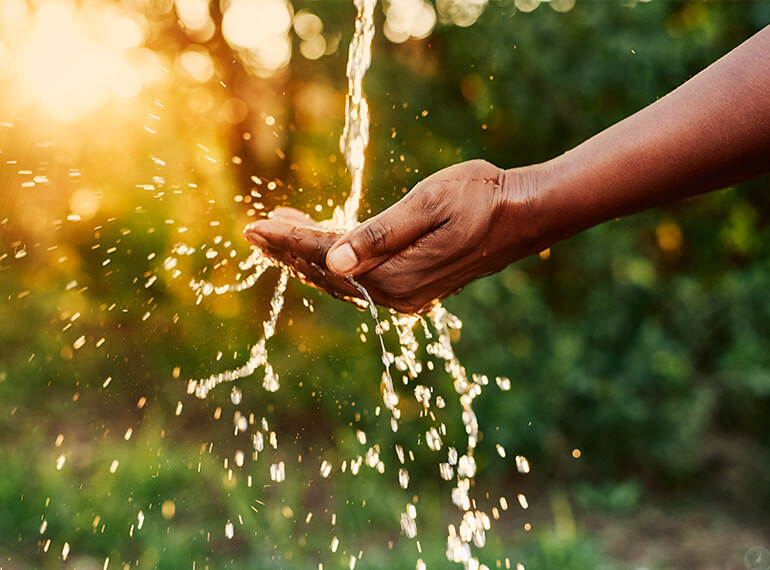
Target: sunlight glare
x=12, y=12
x=5, y=58
x=125, y=33
x=69, y=69
x=258, y=30
x=84, y=203
x=247, y=23
x=195, y=62
x=307, y=25
x=195, y=16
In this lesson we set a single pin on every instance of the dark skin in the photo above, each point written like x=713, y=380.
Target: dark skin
x=300, y=243
x=473, y=218
x=481, y=246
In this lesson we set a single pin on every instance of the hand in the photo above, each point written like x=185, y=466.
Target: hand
x=300, y=243
x=472, y=219
x=463, y=222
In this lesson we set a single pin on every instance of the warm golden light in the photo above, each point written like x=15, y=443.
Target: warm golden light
x=409, y=19
x=307, y=25
x=84, y=204
x=258, y=30
x=247, y=23
x=309, y=28
x=195, y=62
x=195, y=16
x=12, y=12
x=669, y=237
x=74, y=61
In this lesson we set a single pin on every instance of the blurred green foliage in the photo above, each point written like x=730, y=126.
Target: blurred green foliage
x=643, y=342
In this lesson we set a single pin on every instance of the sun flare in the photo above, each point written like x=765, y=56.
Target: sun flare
x=73, y=61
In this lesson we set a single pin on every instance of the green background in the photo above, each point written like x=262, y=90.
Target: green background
x=643, y=343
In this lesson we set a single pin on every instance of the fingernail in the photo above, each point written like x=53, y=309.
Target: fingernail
x=342, y=260
x=253, y=236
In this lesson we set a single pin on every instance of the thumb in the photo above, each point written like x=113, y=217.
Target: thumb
x=382, y=236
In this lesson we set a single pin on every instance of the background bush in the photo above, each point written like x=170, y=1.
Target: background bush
x=642, y=342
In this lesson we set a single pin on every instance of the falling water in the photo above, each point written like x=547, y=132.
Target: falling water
x=353, y=143
x=434, y=331
x=389, y=396
x=355, y=135
x=474, y=523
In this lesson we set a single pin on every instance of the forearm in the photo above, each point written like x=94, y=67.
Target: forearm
x=711, y=132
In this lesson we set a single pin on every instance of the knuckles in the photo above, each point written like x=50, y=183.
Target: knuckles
x=374, y=237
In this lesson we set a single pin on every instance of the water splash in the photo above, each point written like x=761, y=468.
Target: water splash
x=389, y=396
x=257, y=358
x=470, y=531
x=355, y=135
x=474, y=522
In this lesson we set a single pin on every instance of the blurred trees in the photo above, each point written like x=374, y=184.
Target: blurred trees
x=643, y=343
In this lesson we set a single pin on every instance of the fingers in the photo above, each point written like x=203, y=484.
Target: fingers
x=303, y=250
x=294, y=217
x=384, y=235
x=420, y=274
x=286, y=241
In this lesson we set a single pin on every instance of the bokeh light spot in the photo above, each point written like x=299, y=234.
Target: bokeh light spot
x=307, y=25
x=73, y=60
x=84, y=203
x=195, y=63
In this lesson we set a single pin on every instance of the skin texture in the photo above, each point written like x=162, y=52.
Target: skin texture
x=481, y=210
x=473, y=218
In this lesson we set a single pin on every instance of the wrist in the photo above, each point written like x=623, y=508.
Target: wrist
x=534, y=224
x=566, y=197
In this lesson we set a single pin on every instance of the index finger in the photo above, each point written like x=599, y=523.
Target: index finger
x=303, y=250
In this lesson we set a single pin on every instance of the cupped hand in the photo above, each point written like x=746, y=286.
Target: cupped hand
x=461, y=223
x=301, y=244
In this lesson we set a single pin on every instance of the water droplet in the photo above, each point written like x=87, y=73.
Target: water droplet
x=433, y=439
x=408, y=522
x=278, y=472
x=403, y=478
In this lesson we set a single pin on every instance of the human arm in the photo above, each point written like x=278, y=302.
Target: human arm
x=711, y=132
x=473, y=218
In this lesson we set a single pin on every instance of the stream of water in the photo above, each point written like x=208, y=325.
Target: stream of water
x=424, y=343
x=470, y=531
